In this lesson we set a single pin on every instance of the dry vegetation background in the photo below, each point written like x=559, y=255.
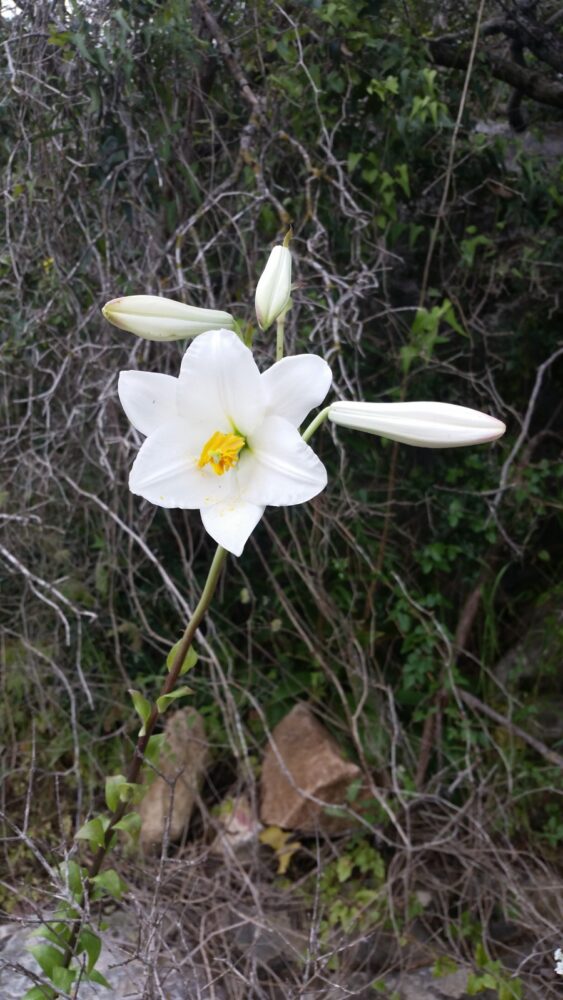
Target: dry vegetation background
x=164, y=147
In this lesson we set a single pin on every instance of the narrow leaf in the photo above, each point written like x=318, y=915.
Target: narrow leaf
x=93, y=831
x=47, y=957
x=113, y=786
x=131, y=824
x=190, y=658
x=110, y=882
x=63, y=978
x=96, y=977
x=142, y=708
x=91, y=944
x=165, y=700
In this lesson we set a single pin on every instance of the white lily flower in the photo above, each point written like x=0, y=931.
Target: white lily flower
x=222, y=438
x=428, y=425
x=274, y=287
x=154, y=317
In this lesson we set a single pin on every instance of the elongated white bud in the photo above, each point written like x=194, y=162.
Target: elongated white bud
x=153, y=317
x=274, y=287
x=428, y=425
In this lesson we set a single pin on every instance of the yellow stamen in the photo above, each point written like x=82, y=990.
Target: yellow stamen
x=221, y=452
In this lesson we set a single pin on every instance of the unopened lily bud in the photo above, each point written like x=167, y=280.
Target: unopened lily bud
x=274, y=287
x=153, y=317
x=427, y=425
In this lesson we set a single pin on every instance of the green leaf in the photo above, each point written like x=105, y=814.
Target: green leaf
x=39, y=993
x=344, y=868
x=114, y=785
x=57, y=933
x=63, y=978
x=93, y=831
x=165, y=700
x=142, y=708
x=47, y=957
x=154, y=747
x=109, y=882
x=91, y=944
x=96, y=977
x=444, y=966
x=190, y=658
x=73, y=875
x=131, y=824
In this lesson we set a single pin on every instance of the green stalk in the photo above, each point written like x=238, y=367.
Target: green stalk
x=138, y=754
x=315, y=424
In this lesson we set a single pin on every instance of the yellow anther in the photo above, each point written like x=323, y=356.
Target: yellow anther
x=221, y=452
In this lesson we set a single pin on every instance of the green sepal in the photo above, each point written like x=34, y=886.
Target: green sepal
x=165, y=700
x=190, y=658
x=142, y=708
x=108, y=883
x=91, y=944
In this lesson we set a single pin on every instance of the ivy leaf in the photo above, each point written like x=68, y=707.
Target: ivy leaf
x=93, y=831
x=190, y=658
x=91, y=944
x=165, y=700
x=113, y=789
x=142, y=708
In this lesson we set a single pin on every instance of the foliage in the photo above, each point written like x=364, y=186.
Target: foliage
x=136, y=161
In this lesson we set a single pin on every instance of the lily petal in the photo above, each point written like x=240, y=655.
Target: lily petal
x=428, y=425
x=231, y=522
x=218, y=380
x=148, y=398
x=296, y=385
x=166, y=470
x=278, y=468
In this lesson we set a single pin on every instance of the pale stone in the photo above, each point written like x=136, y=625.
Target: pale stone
x=181, y=769
x=238, y=827
x=303, y=761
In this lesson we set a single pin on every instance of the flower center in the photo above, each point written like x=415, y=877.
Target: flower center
x=221, y=452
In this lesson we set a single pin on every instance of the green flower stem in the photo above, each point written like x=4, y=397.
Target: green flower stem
x=280, y=342
x=315, y=424
x=137, y=759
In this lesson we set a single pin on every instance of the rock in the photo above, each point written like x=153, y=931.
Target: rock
x=238, y=828
x=311, y=765
x=182, y=765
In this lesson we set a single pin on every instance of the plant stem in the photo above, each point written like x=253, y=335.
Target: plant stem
x=315, y=424
x=138, y=754
x=280, y=327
